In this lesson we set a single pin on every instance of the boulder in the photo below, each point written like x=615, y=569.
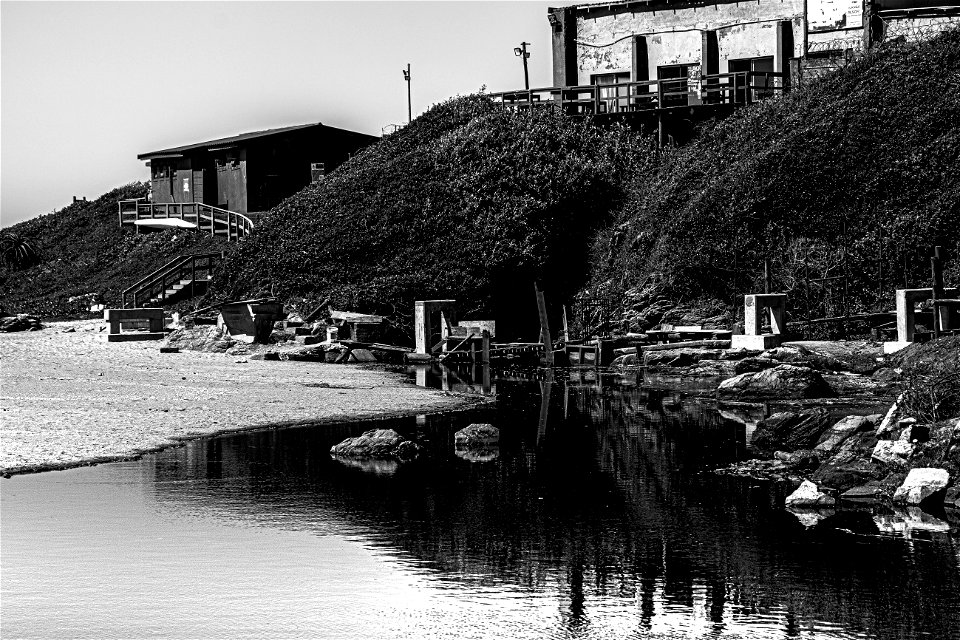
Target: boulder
x=809, y=495
x=382, y=444
x=19, y=322
x=477, y=436
x=868, y=491
x=846, y=355
x=922, y=484
x=362, y=355
x=789, y=431
x=887, y=429
x=207, y=338
x=831, y=440
x=892, y=452
x=784, y=381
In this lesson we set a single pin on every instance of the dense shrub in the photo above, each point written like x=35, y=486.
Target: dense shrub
x=81, y=252
x=856, y=175
x=468, y=202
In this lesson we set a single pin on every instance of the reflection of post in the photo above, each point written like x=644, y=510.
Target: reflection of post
x=545, y=387
x=544, y=327
x=487, y=386
x=566, y=401
x=485, y=356
x=445, y=378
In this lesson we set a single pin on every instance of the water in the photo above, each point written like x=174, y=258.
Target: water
x=598, y=519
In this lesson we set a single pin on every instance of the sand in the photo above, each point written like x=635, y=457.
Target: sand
x=70, y=398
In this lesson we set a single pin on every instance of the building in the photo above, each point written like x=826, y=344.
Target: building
x=636, y=41
x=251, y=172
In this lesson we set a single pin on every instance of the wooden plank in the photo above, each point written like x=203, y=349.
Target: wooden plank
x=692, y=344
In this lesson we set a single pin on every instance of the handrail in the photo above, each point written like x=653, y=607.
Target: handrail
x=237, y=225
x=170, y=272
x=733, y=87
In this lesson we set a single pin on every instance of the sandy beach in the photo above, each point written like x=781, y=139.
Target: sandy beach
x=70, y=398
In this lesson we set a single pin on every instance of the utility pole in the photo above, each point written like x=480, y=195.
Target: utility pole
x=521, y=51
x=406, y=76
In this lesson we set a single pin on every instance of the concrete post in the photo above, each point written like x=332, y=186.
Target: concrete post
x=906, y=319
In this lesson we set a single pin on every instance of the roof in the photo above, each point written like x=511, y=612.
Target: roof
x=210, y=145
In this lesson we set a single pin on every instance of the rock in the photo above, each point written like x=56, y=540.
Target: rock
x=784, y=381
x=921, y=485
x=207, y=338
x=624, y=361
x=853, y=384
x=847, y=355
x=381, y=444
x=790, y=431
x=808, y=495
x=892, y=452
x=19, y=322
x=831, y=439
x=868, y=491
x=952, y=498
x=476, y=436
x=681, y=357
x=362, y=355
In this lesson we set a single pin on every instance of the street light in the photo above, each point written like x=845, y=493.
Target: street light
x=406, y=76
x=523, y=54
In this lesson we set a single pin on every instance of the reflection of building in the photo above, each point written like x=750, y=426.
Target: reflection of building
x=629, y=41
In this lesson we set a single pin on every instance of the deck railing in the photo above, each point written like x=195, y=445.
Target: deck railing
x=197, y=268
x=206, y=217
x=736, y=88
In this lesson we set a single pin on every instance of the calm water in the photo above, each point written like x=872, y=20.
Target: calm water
x=596, y=520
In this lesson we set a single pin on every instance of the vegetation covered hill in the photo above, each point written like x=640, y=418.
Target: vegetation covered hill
x=857, y=175
x=468, y=202
x=81, y=249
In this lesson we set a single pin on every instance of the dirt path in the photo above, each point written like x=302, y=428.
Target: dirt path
x=68, y=399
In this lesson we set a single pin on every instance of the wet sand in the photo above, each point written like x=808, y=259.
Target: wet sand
x=70, y=399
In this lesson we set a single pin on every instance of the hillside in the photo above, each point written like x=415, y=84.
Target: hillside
x=468, y=202
x=867, y=159
x=81, y=249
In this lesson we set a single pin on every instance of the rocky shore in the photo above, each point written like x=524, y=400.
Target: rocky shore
x=69, y=398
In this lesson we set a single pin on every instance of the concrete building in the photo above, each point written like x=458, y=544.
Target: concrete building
x=635, y=41
x=250, y=172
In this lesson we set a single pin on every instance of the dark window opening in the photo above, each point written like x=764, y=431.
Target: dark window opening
x=613, y=98
x=677, y=83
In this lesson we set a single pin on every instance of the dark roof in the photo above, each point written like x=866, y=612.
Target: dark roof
x=175, y=152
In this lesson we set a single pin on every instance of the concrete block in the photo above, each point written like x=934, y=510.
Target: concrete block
x=134, y=336
x=894, y=346
x=755, y=342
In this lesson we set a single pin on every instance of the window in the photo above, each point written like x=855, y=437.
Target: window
x=761, y=86
x=614, y=98
x=676, y=86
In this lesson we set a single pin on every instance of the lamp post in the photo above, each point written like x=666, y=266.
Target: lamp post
x=406, y=76
x=521, y=51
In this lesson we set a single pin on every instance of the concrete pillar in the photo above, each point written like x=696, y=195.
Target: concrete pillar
x=906, y=318
x=784, y=51
x=563, y=27
x=709, y=62
x=752, y=320
x=421, y=326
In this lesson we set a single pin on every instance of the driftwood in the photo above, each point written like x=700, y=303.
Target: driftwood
x=226, y=302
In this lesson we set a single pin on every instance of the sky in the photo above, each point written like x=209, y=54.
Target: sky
x=86, y=86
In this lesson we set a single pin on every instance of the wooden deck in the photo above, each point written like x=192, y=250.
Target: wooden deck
x=187, y=215
x=722, y=89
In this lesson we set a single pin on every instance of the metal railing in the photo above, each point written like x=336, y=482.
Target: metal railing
x=736, y=88
x=206, y=217
x=197, y=268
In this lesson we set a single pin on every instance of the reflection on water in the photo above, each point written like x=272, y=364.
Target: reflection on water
x=596, y=520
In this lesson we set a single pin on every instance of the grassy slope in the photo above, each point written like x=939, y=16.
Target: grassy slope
x=83, y=249
x=871, y=154
x=468, y=202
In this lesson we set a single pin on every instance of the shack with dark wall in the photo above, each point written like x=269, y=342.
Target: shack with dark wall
x=250, y=172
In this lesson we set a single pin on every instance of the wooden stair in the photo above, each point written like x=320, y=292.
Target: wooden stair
x=182, y=278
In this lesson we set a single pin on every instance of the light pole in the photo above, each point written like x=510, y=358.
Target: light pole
x=406, y=76
x=521, y=51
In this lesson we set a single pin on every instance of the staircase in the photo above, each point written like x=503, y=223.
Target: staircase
x=182, y=278
x=185, y=215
